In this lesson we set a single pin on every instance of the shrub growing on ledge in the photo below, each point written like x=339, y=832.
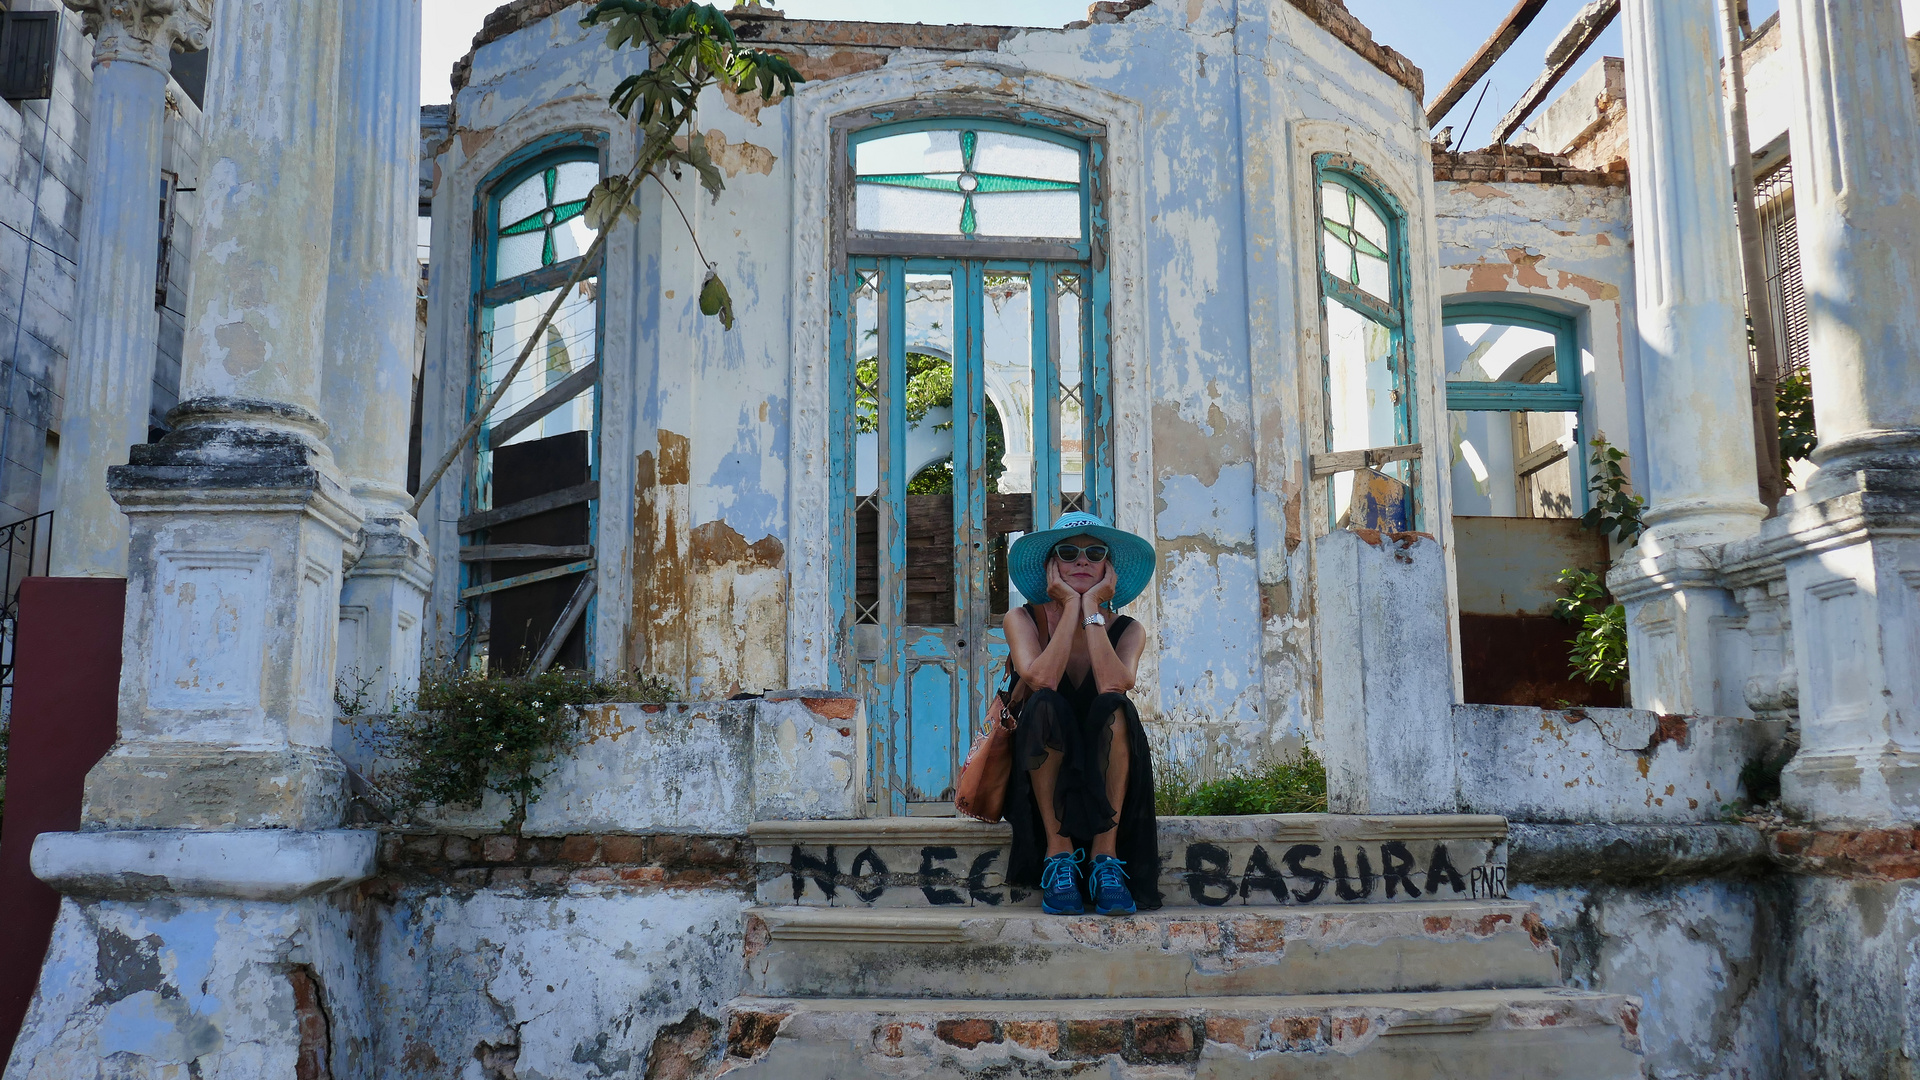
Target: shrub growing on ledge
x=1599, y=646
x=1290, y=785
x=470, y=734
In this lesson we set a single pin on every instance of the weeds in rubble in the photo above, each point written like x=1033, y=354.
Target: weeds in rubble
x=1598, y=647
x=1615, y=509
x=469, y=733
x=1295, y=784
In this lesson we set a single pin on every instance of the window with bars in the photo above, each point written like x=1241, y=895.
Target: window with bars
x=1780, y=248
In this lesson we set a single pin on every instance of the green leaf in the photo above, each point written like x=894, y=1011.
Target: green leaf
x=714, y=301
x=696, y=156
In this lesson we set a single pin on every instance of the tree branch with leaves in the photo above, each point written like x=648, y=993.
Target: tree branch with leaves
x=689, y=49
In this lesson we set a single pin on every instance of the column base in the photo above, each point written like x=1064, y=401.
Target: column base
x=383, y=607
x=1851, y=547
x=1685, y=634
x=197, y=954
x=1870, y=787
x=208, y=786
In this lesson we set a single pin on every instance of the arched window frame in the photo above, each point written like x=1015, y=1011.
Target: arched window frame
x=1565, y=395
x=1354, y=176
x=853, y=249
x=485, y=295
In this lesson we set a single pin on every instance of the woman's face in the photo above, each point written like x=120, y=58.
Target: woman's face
x=1082, y=573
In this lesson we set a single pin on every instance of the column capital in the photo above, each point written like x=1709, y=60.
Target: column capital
x=144, y=31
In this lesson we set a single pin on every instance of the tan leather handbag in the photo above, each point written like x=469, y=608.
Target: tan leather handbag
x=982, y=791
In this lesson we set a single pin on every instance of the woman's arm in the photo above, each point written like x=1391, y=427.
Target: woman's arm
x=1041, y=664
x=1113, y=670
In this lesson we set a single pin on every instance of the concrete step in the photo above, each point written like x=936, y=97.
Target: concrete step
x=1538, y=1034
x=1267, y=860
x=967, y=952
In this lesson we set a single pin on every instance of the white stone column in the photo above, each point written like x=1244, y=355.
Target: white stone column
x=1852, y=557
x=1696, y=398
x=1699, y=477
x=239, y=518
x=368, y=377
x=110, y=373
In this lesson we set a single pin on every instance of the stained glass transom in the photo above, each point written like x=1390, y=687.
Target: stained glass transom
x=541, y=219
x=969, y=183
x=1356, y=241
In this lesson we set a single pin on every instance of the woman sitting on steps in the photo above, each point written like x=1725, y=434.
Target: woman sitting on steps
x=1082, y=772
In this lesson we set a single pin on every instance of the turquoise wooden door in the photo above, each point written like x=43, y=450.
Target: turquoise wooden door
x=952, y=455
x=968, y=314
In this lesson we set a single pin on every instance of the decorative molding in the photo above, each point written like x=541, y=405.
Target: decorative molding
x=811, y=630
x=144, y=31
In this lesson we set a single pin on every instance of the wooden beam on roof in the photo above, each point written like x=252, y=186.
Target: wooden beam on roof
x=1490, y=53
x=1562, y=55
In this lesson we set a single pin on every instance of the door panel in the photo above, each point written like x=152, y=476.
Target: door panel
x=954, y=455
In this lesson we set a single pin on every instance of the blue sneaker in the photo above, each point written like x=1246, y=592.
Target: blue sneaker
x=1110, y=895
x=1059, y=889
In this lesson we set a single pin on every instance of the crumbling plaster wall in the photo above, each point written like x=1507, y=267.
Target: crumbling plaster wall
x=1562, y=247
x=1701, y=955
x=583, y=981
x=1232, y=102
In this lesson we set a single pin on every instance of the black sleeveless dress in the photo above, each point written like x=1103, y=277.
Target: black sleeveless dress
x=1075, y=720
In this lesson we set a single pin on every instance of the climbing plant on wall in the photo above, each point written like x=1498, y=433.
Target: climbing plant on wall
x=689, y=49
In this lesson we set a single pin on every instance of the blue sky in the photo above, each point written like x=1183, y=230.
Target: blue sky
x=1439, y=36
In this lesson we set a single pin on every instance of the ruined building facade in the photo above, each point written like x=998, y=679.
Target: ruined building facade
x=1192, y=265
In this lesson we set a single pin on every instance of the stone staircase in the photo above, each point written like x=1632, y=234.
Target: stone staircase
x=1294, y=945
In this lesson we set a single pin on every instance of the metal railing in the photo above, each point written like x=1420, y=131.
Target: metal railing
x=24, y=549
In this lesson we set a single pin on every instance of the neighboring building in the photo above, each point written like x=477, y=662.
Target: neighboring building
x=42, y=169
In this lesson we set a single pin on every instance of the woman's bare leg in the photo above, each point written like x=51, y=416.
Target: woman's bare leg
x=1119, y=759
x=1044, y=779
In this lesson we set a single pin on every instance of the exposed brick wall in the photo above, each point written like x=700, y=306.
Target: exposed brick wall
x=1335, y=19
x=1890, y=854
x=555, y=862
x=1517, y=165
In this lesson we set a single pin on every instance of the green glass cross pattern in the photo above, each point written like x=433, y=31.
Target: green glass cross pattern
x=547, y=218
x=969, y=183
x=1356, y=244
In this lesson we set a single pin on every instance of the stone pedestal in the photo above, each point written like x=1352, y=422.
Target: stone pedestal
x=1686, y=636
x=368, y=376
x=211, y=955
x=1386, y=673
x=1851, y=540
x=110, y=373
x=226, y=693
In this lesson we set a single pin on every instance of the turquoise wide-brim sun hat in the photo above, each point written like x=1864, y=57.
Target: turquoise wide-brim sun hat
x=1133, y=558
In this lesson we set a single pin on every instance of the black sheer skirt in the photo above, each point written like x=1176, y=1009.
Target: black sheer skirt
x=1083, y=736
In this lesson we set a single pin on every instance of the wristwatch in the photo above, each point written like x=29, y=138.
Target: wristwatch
x=1095, y=619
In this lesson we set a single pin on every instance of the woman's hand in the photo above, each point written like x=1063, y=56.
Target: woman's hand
x=1060, y=590
x=1102, y=591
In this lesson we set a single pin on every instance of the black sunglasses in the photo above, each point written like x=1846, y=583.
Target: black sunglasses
x=1096, y=553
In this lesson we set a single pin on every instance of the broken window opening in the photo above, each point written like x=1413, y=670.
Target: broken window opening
x=1371, y=465
x=531, y=501
x=1514, y=412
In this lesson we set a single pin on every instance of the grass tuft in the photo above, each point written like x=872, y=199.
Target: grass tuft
x=1296, y=784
